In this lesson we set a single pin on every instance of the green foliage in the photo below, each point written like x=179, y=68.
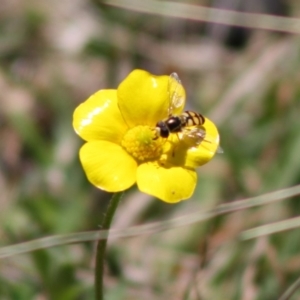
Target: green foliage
x=53, y=57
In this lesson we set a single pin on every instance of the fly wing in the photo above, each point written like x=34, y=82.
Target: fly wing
x=176, y=94
x=195, y=136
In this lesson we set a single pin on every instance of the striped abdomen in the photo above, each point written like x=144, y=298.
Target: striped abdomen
x=191, y=118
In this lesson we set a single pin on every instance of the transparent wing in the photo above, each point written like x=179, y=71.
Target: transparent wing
x=176, y=94
x=195, y=136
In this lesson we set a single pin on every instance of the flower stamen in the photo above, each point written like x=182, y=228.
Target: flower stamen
x=142, y=144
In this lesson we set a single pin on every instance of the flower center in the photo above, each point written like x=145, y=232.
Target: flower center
x=142, y=144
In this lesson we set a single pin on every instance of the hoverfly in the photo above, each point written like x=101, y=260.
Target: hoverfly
x=187, y=125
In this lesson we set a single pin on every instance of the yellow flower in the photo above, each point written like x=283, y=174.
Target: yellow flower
x=122, y=144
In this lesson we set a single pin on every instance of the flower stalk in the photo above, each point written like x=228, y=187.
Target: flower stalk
x=101, y=246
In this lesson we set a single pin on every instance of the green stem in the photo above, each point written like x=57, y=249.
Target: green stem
x=101, y=247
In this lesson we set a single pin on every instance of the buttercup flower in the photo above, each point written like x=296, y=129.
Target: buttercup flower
x=123, y=146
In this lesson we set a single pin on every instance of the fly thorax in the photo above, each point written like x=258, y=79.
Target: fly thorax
x=174, y=124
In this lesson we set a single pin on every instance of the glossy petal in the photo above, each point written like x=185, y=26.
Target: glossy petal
x=200, y=155
x=108, y=166
x=144, y=99
x=170, y=184
x=99, y=118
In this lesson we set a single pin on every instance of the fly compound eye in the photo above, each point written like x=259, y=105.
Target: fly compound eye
x=164, y=132
x=163, y=129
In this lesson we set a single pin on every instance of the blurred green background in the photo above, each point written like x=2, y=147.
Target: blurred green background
x=53, y=56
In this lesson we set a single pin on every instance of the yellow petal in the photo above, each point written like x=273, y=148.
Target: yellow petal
x=108, y=166
x=170, y=184
x=99, y=118
x=198, y=156
x=144, y=99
